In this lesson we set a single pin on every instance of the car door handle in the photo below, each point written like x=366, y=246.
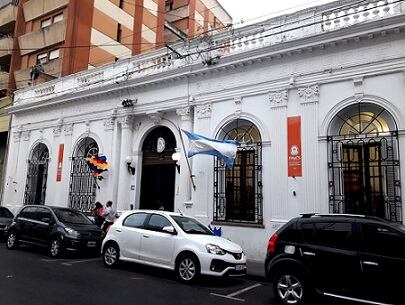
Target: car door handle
x=308, y=253
x=117, y=230
x=146, y=236
x=368, y=263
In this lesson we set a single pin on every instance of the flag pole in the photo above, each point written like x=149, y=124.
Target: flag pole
x=188, y=163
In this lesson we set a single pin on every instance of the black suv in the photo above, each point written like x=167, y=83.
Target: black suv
x=349, y=257
x=57, y=228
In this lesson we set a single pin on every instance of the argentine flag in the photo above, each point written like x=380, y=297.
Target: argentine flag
x=198, y=144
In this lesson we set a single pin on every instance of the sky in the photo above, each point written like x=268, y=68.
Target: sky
x=252, y=9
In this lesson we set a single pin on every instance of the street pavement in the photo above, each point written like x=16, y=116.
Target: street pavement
x=28, y=276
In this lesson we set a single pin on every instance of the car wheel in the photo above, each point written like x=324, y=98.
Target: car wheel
x=12, y=240
x=188, y=268
x=111, y=255
x=56, y=247
x=290, y=288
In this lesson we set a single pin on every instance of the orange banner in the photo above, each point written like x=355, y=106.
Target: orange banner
x=294, y=146
x=60, y=163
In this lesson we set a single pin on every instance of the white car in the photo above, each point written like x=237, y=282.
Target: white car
x=171, y=241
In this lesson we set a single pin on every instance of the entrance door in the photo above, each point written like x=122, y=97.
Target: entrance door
x=158, y=187
x=363, y=179
x=158, y=170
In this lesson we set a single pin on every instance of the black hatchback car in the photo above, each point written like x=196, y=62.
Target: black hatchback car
x=349, y=257
x=57, y=228
x=6, y=217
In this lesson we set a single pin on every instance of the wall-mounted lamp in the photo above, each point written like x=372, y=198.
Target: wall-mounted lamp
x=176, y=157
x=130, y=164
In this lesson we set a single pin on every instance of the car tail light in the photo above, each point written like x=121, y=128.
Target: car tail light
x=271, y=247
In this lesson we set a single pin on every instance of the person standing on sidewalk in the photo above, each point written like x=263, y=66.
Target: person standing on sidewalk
x=109, y=216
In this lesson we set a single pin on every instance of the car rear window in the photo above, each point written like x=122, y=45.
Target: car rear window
x=289, y=233
x=5, y=213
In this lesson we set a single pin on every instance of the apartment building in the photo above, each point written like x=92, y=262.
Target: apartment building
x=45, y=39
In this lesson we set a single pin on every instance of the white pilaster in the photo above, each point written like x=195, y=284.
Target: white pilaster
x=123, y=199
x=279, y=191
x=185, y=186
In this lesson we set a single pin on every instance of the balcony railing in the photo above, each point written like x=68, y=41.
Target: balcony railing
x=8, y=15
x=42, y=38
x=22, y=77
x=271, y=34
x=6, y=46
x=34, y=9
x=4, y=76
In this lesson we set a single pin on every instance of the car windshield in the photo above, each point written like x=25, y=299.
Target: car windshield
x=5, y=213
x=71, y=216
x=191, y=226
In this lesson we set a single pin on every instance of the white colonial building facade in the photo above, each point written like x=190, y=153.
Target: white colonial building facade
x=316, y=100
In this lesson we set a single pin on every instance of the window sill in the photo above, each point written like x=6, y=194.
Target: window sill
x=238, y=224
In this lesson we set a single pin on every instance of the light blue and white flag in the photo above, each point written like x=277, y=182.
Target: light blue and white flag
x=198, y=144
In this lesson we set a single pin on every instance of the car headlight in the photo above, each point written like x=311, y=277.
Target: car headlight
x=72, y=233
x=102, y=234
x=214, y=249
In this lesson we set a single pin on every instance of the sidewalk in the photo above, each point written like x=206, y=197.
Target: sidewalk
x=255, y=268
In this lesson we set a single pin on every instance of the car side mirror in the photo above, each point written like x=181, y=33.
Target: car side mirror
x=169, y=229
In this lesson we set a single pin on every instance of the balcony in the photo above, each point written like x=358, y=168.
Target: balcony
x=43, y=38
x=6, y=46
x=4, y=76
x=8, y=16
x=36, y=8
x=177, y=14
x=52, y=69
x=4, y=117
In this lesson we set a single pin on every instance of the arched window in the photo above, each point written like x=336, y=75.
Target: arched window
x=37, y=174
x=238, y=191
x=363, y=161
x=83, y=185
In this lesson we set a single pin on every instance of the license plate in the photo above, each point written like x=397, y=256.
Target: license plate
x=91, y=244
x=239, y=267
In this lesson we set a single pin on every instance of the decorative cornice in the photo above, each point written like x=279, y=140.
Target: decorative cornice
x=358, y=86
x=126, y=122
x=278, y=99
x=109, y=123
x=26, y=135
x=57, y=130
x=309, y=94
x=68, y=129
x=204, y=111
x=17, y=134
x=184, y=113
x=156, y=117
x=238, y=104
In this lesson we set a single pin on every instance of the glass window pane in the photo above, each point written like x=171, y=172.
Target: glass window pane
x=383, y=241
x=46, y=22
x=158, y=222
x=57, y=18
x=135, y=220
x=54, y=54
x=336, y=235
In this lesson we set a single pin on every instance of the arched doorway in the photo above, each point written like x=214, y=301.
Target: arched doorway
x=238, y=191
x=35, y=188
x=158, y=170
x=83, y=185
x=363, y=161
